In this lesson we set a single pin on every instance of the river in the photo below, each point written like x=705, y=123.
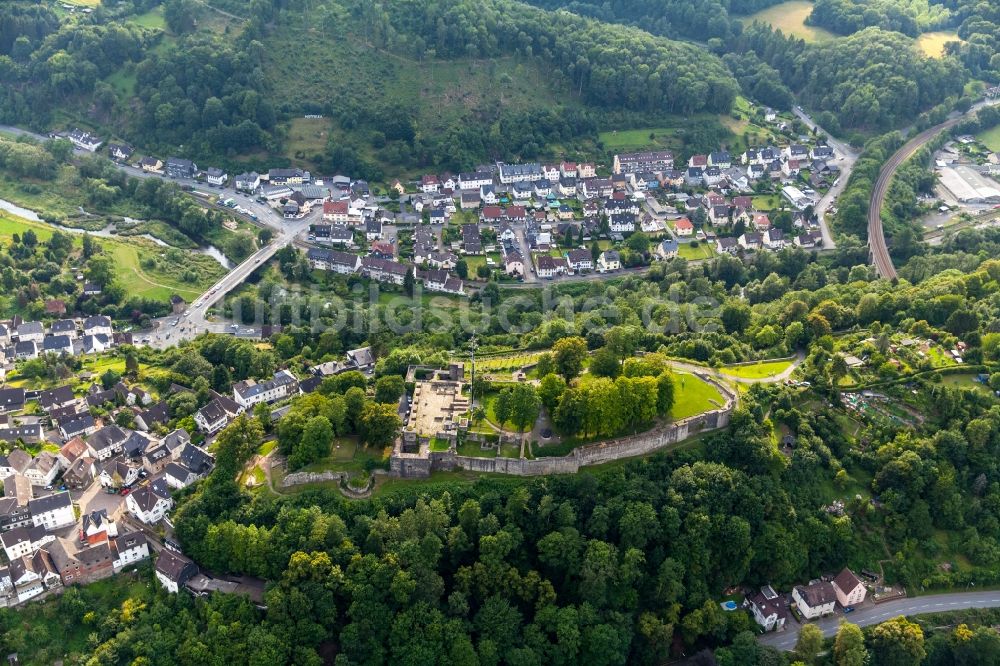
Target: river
x=108, y=232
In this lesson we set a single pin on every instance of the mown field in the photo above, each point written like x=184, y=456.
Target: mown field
x=790, y=18
x=931, y=44
x=991, y=138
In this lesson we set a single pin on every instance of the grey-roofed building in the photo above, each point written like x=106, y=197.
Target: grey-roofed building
x=249, y=392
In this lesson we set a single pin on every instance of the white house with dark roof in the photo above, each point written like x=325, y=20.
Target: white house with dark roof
x=98, y=325
x=248, y=392
x=107, y=441
x=173, y=570
x=768, y=608
x=52, y=511
x=76, y=425
x=43, y=469
x=30, y=331
x=150, y=503
x=22, y=541
x=248, y=181
x=61, y=396
x=128, y=549
x=11, y=400
x=815, y=600
x=217, y=414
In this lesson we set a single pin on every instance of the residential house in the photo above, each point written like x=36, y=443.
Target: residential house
x=178, y=476
x=120, y=152
x=471, y=240
x=580, y=260
x=291, y=210
x=80, y=474
x=175, y=442
x=568, y=169
x=288, y=176
x=151, y=164
x=383, y=270
x=547, y=266
x=542, y=188
x=849, y=590
x=514, y=173
x=721, y=159
x=727, y=245
x=608, y=261
x=474, y=180
x=683, y=227
x=11, y=400
x=586, y=170
x=24, y=540
x=712, y=176
x=751, y=241
x=335, y=261
x=119, y=473
x=666, y=249
x=33, y=574
x=107, y=441
x=550, y=173
x=796, y=151
x=373, y=230
x=76, y=425
x=30, y=331
x=657, y=160
x=429, y=184
x=173, y=570
x=157, y=415
x=178, y=167
x=821, y=153
x=43, y=469
x=128, y=549
x=84, y=140
x=491, y=215
x=488, y=195
x=774, y=239
x=81, y=566
x=523, y=191
x=71, y=451
x=249, y=392
x=360, y=359
x=814, y=600
x=217, y=414
x=52, y=511
x=622, y=223
x=215, y=176
x=694, y=176
x=515, y=213
x=768, y=608
x=98, y=325
x=156, y=459
x=60, y=345
x=26, y=350
x=441, y=281
x=248, y=181
x=67, y=327
x=96, y=344
x=14, y=462
x=470, y=200
x=150, y=503
x=566, y=186
x=809, y=239
x=513, y=263
x=29, y=433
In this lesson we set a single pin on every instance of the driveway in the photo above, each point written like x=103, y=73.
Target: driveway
x=874, y=614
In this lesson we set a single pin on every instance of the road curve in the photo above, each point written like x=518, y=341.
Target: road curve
x=872, y=614
x=876, y=234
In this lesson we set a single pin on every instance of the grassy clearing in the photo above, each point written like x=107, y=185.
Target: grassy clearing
x=790, y=18
x=474, y=450
x=767, y=201
x=307, y=137
x=168, y=275
x=757, y=370
x=267, y=447
x=991, y=138
x=693, y=396
x=694, y=252
x=346, y=455
x=931, y=44
x=645, y=137
x=152, y=19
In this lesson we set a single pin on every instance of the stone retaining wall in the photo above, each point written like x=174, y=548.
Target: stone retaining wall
x=417, y=465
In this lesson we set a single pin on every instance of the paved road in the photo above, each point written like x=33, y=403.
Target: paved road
x=876, y=233
x=937, y=603
x=848, y=156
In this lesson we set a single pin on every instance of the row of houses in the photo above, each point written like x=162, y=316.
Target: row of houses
x=380, y=269
x=817, y=599
x=22, y=340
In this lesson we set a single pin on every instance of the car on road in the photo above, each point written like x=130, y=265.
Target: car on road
x=125, y=491
x=849, y=609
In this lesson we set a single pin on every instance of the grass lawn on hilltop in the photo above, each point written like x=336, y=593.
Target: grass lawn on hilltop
x=931, y=44
x=693, y=396
x=757, y=370
x=991, y=138
x=790, y=18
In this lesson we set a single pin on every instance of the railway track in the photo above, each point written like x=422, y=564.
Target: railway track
x=876, y=234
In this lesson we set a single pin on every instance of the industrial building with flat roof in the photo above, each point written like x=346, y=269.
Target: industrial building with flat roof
x=967, y=185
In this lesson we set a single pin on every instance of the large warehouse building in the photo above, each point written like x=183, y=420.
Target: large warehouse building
x=967, y=185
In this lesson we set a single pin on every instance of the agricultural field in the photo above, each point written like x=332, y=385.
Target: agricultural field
x=931, y=44
x=790, y=18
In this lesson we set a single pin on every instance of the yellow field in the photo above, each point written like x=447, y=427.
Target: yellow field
x=932, y=43
x=790, y=18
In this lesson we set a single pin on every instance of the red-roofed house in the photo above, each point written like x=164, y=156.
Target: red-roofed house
x=684, y=227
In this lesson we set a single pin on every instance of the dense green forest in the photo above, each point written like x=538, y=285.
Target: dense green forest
x=910, y=17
